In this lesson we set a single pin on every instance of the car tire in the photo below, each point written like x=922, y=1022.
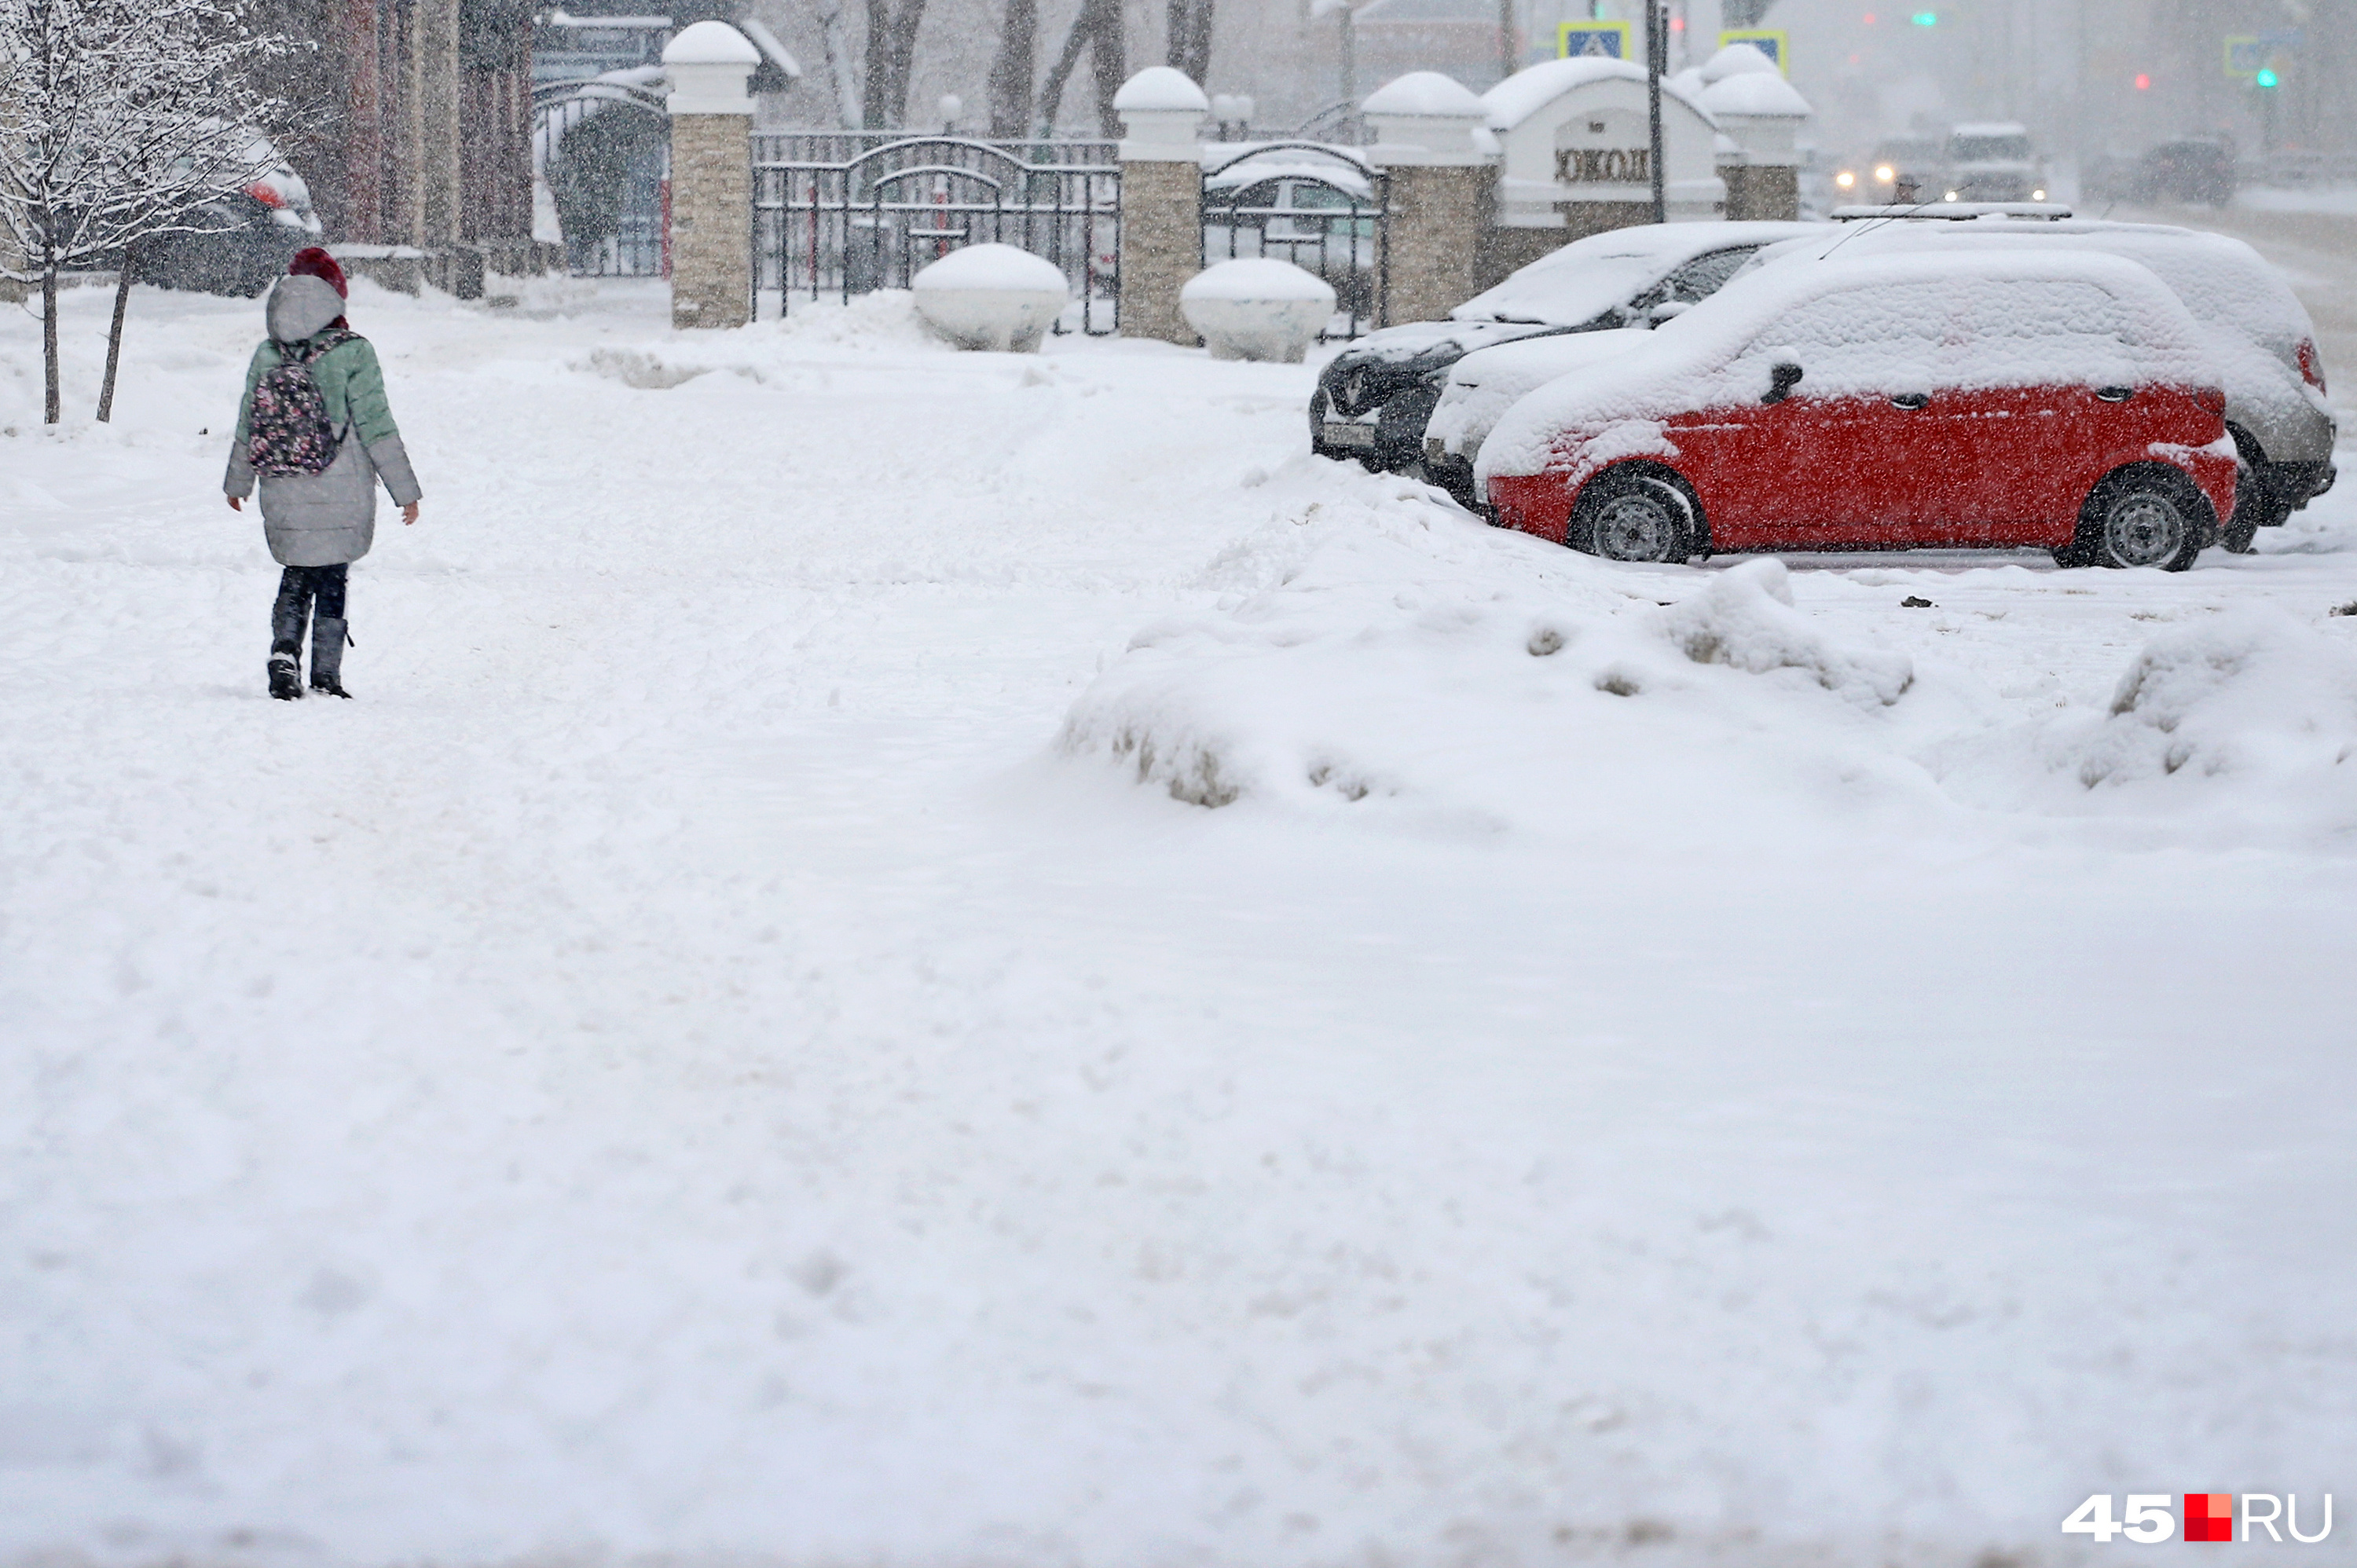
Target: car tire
x=2145, y=516
x=1634, y=517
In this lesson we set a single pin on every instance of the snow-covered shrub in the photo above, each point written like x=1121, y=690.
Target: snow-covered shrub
x=1745, y=619
x=2253, y=690
x=1385, y=653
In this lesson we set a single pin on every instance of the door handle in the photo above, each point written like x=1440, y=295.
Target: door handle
x=2115, y=394
x=1911, y=402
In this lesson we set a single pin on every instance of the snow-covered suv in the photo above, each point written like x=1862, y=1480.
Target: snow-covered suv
x=2051, y=398
x=2256, y=332
x=1372, y=400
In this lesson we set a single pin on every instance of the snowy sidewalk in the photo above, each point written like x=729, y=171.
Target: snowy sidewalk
x=687, y=1063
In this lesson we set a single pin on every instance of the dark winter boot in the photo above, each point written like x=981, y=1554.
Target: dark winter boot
x=286, y=676
x=328, y=637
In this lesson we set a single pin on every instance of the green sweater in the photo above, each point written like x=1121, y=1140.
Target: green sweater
x=349, y=380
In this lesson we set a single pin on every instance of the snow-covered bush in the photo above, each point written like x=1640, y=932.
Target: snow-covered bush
x=1745, y=619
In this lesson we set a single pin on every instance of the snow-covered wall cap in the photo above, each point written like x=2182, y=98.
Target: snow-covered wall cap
x=1159, y=87
x=710, y=43
x=1427, y=93
x=708, y=65
x=1162, y=114
x=1428, y=118
x=1532, y=89
x=1757, y=97
x=1737, y=60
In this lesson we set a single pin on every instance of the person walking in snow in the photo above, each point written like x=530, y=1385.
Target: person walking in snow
x=314, y=428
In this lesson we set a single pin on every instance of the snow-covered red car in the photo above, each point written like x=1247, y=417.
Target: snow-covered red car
x=2258, y=335
x=2061, y=400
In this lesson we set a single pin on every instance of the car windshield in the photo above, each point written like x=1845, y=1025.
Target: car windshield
x=1989, y=149
x=1907, y=150
x=1324, y=197
x=1569, y=288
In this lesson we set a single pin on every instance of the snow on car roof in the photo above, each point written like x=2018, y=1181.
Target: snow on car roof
x=1990, y=128
x=1528, y=91
x=1589, y=277
x=1892, y=306
x=2222, y=281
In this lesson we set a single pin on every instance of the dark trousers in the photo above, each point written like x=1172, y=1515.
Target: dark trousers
x=299, y=587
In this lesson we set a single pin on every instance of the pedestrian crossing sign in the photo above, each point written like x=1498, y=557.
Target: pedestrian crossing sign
x=1591, y=40
x=1777, y=46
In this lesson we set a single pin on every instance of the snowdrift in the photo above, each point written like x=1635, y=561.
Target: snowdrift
x=1404, y=655
x=1391, y=654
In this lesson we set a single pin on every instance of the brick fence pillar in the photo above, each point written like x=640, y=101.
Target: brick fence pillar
x=1432, y=141
x=1161, y=200
x=1762, y=114
x=711, y=175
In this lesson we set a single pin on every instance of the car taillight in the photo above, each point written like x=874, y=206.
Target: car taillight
x=266, y=195
x=2311, y=364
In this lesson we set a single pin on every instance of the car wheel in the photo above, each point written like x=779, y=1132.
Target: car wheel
x=2140, y=519
x=1636, y=518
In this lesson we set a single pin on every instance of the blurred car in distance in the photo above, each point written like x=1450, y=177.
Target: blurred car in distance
x=239, y=243
x=1320, y=218
x=1902, y=171
x=1374, y=399
x=2048, y=398
x=1993, y=161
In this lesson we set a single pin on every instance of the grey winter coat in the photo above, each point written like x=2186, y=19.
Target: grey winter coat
x=323, y=519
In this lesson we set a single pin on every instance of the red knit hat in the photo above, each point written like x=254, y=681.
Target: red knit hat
x=311, y=261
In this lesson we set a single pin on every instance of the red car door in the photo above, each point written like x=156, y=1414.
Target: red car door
x=2040, y=376
x=1844, y=458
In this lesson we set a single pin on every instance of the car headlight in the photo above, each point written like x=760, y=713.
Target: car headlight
x=2037, y=196
x=1885, y=173
x=1846, y=179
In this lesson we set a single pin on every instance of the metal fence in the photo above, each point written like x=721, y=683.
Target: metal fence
x=603, y=145
x=844, y=212
x=1314, y=204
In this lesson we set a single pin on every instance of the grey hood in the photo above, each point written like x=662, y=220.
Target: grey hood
x=299, y=308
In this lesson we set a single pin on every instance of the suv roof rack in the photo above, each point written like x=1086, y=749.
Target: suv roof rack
x=1957, y=211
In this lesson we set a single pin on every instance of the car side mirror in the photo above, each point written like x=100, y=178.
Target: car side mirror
x=1782, y=380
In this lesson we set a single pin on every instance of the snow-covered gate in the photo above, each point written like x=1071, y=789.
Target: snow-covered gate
x=1321, y=206
x=602, y=145
x=838, y=213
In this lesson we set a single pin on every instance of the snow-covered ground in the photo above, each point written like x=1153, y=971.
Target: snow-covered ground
x=740, y=1046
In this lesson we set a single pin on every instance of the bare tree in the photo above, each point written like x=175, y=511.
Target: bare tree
x=1012, y=71
x=1190, y=39
x=839, y=72
x=1098, y=30
x=892, y=54
x=119, y=121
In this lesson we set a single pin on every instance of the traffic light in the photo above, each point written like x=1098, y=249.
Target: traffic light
x=2266, y=78
x=1925, y=19
x=2143, y=82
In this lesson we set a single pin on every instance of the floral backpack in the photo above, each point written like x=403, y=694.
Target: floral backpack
x=288, y=433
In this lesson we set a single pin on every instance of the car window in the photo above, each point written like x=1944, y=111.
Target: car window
x=1704, y=275
x=1323, y=197
x=1989, y=149
x=2020, y=332
x=1877, y=338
